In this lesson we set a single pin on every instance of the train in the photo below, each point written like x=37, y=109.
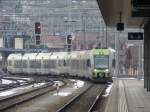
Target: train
x=95, y=64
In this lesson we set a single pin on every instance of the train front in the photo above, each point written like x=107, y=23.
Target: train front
x=101, y=71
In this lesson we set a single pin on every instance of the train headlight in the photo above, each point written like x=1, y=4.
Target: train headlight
x=95, y=70
x=107, y=70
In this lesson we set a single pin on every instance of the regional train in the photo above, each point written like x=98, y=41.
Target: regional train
x=95, y=64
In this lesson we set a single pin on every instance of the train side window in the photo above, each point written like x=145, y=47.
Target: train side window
x=88, y=63
x=64, y=63
x=24, y=64
x=46, y=64
x=49, y=64
x=54, y=63
x=10, y=63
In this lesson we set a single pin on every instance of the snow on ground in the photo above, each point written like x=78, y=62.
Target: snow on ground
x=5, y=81
x=107, y=91
x=71, y=89
x=19, y=89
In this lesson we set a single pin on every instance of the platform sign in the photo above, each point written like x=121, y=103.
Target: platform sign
x=141, y=3
x=140, y=8
x=135, y=36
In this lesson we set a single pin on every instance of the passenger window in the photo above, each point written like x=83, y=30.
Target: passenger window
x=64, y=63
x=88, y=63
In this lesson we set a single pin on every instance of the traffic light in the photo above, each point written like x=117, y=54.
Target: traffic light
x=37, y=28
x=69, y=39
x=69, y=42
x=135, y=36
x=37, y=40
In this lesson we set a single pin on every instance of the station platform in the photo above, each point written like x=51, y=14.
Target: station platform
x=128, y=95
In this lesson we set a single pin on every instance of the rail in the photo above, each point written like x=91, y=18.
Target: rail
x=25, y=96
x=69, y=104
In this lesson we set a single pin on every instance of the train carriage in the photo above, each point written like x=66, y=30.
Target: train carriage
x=29, y=63
x=62, y=65
x=14, y=63
x=43, y=59
x=54, y=64
x=92, y=64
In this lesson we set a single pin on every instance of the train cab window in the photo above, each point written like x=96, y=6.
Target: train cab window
x=88, y=63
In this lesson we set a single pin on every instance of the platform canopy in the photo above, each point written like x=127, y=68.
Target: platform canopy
x=111, y=9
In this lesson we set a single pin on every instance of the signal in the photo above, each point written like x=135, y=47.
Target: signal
x=69, y=42
x=69, y=39
x=37, y=40
x=37, y=28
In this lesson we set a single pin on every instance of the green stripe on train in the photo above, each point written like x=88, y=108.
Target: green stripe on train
x=100, y=51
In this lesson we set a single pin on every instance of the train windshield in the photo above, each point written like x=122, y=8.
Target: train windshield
x=101, y=62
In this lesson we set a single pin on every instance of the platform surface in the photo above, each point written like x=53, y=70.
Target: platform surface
x=128, y=95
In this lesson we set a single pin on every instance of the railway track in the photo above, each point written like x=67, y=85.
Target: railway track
x=14, y=83
x=84, y=102
x=6, y=103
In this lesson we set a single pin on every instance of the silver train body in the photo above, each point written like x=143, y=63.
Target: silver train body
x=75, y=63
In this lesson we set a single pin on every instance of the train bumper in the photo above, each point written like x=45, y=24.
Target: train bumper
x=101, y=76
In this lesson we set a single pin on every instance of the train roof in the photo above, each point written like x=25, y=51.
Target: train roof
x=54, y=55
x=43, y=55
x=15, y=56
x=62, y=55
x=29, y=56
